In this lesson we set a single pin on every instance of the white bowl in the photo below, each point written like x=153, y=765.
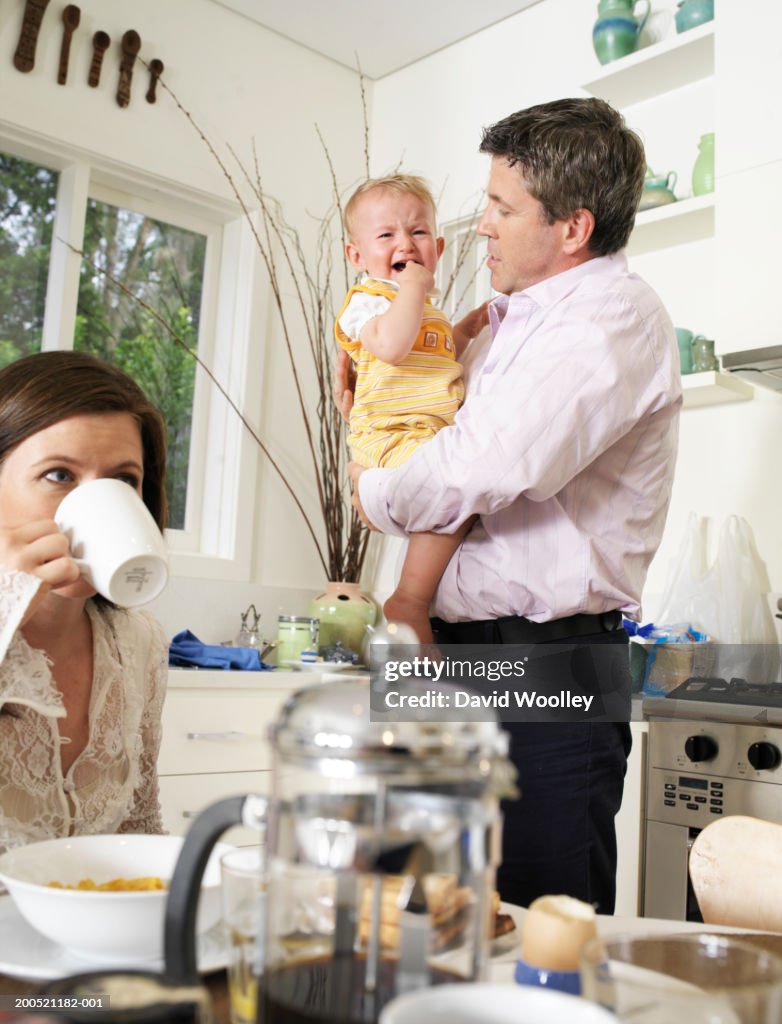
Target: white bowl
x=104, y=927
x=491, y=1004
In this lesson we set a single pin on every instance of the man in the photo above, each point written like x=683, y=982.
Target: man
x=565, y=449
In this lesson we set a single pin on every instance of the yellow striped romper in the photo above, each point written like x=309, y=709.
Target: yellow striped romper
x=398, y=407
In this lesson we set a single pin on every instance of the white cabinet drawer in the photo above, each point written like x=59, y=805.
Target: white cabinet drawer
x=184, y=796
x=206, y=732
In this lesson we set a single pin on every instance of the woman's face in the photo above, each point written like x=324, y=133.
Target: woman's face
x=39, y=472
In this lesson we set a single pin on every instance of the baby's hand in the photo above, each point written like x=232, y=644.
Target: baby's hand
x=416, y=273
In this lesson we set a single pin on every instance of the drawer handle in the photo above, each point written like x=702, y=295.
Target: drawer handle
x=212, y=736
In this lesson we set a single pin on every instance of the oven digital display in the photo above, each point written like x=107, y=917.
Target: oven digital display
x=693, y=783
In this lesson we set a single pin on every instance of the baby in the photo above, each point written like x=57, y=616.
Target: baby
x=405, y=351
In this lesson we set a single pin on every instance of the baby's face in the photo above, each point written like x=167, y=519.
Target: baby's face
x=391, y=230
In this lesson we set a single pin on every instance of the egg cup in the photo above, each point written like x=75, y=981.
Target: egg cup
x=541, y=977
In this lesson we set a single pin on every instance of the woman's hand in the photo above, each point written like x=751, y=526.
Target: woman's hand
x=40, y=549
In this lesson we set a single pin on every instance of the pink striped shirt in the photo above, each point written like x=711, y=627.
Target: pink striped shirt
x=565, y=447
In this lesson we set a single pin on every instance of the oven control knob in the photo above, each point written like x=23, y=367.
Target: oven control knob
x=700, y=748
x=764, y=756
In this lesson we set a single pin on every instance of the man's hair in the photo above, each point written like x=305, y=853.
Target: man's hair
x=401, y=184
x=576, y=154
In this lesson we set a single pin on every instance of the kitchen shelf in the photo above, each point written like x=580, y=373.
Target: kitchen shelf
x=675, y=224
x=714, y=388
x=679, y=60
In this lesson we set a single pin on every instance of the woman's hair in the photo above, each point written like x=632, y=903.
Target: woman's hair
x=42, y=389
x=576, y=154
x=399, y=184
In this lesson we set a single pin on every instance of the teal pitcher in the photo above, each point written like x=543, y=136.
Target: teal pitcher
x=616, y=31
x=691, y=13
x=657, y=190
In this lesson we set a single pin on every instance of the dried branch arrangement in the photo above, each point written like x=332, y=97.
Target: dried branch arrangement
x=305, y=286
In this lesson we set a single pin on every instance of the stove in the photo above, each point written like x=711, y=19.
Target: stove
x=721, y=700
x=714, y=748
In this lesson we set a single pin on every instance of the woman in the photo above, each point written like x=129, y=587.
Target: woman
x=81, y=682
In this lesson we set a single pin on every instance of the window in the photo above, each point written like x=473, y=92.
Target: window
x=463, y=280
x=27, y=204
x=188, y=259
x=161, y=266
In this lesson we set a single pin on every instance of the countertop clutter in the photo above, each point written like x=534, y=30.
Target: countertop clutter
x=501, y=968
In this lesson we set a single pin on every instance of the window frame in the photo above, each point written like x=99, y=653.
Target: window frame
x=216, y=542
x=471, y=287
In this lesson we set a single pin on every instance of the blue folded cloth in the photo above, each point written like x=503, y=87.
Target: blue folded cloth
x=187, y=651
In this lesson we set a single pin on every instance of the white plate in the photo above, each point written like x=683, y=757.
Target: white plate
x=491, y=1004
x=25, y=953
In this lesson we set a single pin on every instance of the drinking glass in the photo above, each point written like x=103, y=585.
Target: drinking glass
x=243, y=895
x=694, y=978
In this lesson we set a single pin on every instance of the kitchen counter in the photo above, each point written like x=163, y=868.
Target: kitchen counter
x=276, y=679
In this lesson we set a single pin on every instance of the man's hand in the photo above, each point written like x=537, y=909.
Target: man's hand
x=473, y=323
x=354, y=472
x=470, y=327
x=344, y=382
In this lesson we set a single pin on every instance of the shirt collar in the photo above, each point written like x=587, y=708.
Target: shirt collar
x=380, y=280
x=553, y=289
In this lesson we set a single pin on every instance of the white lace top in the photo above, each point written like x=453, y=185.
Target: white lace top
x=112, y=785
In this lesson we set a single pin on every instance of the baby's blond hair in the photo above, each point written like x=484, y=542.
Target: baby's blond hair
x=401, y=184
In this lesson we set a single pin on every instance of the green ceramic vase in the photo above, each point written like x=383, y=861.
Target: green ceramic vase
x=344, y=614
x=703, y=169
x=616, y=31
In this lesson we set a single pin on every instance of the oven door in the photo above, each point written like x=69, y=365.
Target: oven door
x=668, y=892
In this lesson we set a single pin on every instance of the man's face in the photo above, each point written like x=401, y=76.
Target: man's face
x=523, y=247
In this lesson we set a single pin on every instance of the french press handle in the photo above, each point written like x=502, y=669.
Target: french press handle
x=179, y=937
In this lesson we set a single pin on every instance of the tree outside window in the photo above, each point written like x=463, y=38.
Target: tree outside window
x=163, y=267
x=28, y=196
x=159, y=263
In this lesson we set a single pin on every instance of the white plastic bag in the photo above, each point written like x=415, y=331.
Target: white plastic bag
x=726, y=600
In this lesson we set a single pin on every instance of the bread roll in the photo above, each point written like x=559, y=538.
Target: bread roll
x=735, y=867
x=555, y=930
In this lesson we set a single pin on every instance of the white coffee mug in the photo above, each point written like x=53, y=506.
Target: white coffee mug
x=115, y=541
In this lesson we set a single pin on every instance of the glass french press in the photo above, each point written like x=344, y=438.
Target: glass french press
x=382, y=840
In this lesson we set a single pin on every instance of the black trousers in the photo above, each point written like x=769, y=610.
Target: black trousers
x=559, y=835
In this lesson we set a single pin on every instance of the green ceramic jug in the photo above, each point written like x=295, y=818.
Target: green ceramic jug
x=616, y=31
x=344, y=614
x=658, y=190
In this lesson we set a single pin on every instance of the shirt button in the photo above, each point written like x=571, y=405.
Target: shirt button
x=68, y=787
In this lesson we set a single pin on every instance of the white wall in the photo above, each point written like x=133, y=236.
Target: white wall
x=730, y=458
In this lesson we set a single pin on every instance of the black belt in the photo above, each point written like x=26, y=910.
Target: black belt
x=515, y=629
